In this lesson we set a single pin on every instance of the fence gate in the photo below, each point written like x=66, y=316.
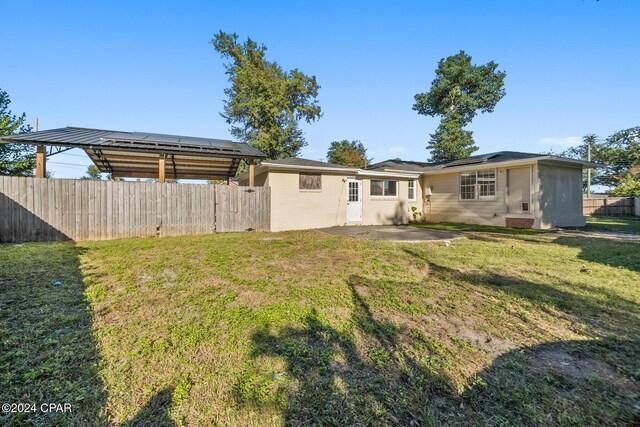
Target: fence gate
x=242, y=208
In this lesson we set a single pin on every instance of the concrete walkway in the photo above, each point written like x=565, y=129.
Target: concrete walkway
x=400, y=233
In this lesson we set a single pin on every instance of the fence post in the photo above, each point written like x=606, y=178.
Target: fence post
x=636, y=205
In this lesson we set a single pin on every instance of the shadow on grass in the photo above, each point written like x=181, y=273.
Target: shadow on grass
x=156, y=413
x=601, y=311
x=337, y=384
x=375, y=374
x=48, y=353
x=561, y=383
x=592, y=382
x=611, y=252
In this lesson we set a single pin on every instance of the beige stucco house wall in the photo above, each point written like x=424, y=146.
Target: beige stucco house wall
x=379, y=210
x=296, y=209
x=538, y=192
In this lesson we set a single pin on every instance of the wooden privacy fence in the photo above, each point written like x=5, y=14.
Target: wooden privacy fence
x=608, y=206
x=242, y=208
x=37, y=209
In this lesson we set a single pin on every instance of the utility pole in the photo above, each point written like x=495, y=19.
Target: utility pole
x=588, y=169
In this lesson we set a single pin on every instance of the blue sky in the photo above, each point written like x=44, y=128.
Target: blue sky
x=572, y=67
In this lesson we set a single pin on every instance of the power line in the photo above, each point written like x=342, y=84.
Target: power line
x=68, y=164
x=74, y=155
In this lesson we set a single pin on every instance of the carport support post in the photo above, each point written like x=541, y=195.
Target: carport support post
x=252, y=173
x=161, y=168
x=41, y=161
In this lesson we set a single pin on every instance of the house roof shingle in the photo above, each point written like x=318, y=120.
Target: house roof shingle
x=296, y=161
x=489, y=158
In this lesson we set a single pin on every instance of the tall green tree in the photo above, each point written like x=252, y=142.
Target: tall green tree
x=619, y=155
x=93, y=173
x=590, y=142
x=15, y=159
x=348, y=153
x=629, y=186
x=265, y=103
x=459, y=91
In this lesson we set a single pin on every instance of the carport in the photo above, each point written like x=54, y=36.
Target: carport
x=143, y=154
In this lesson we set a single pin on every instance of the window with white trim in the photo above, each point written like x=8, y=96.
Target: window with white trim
x=486, y=183
x=412, y=189
x=468, y=186
x=385, y=187
x=478, y=185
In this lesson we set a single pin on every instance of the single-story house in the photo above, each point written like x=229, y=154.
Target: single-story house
x=507, y=188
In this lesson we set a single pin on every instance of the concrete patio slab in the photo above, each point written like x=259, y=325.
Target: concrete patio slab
x=395, y=233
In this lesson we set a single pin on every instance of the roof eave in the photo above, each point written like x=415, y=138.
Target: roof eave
x=516, y=162
x=583, y=163
x=309, y=168
x=389, y=174
x=397, y=171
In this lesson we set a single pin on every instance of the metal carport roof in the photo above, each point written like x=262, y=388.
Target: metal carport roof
x=136, y=154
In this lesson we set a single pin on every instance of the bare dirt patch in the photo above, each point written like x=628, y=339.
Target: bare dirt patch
x=561, y=362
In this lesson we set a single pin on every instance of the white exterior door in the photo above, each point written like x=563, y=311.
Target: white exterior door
x=354, y=200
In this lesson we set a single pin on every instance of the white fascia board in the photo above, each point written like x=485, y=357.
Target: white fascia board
x=346, y=171
x=308, y=168
x=364, y=172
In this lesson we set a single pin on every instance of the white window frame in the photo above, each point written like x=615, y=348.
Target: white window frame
x=477, y=184
x=411, y=185
x=474, y=186
x=384, y=196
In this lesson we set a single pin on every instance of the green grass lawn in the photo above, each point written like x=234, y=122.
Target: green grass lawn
x=594, y=223
x=457, y=226
x=628, y=225
x=303, y=328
